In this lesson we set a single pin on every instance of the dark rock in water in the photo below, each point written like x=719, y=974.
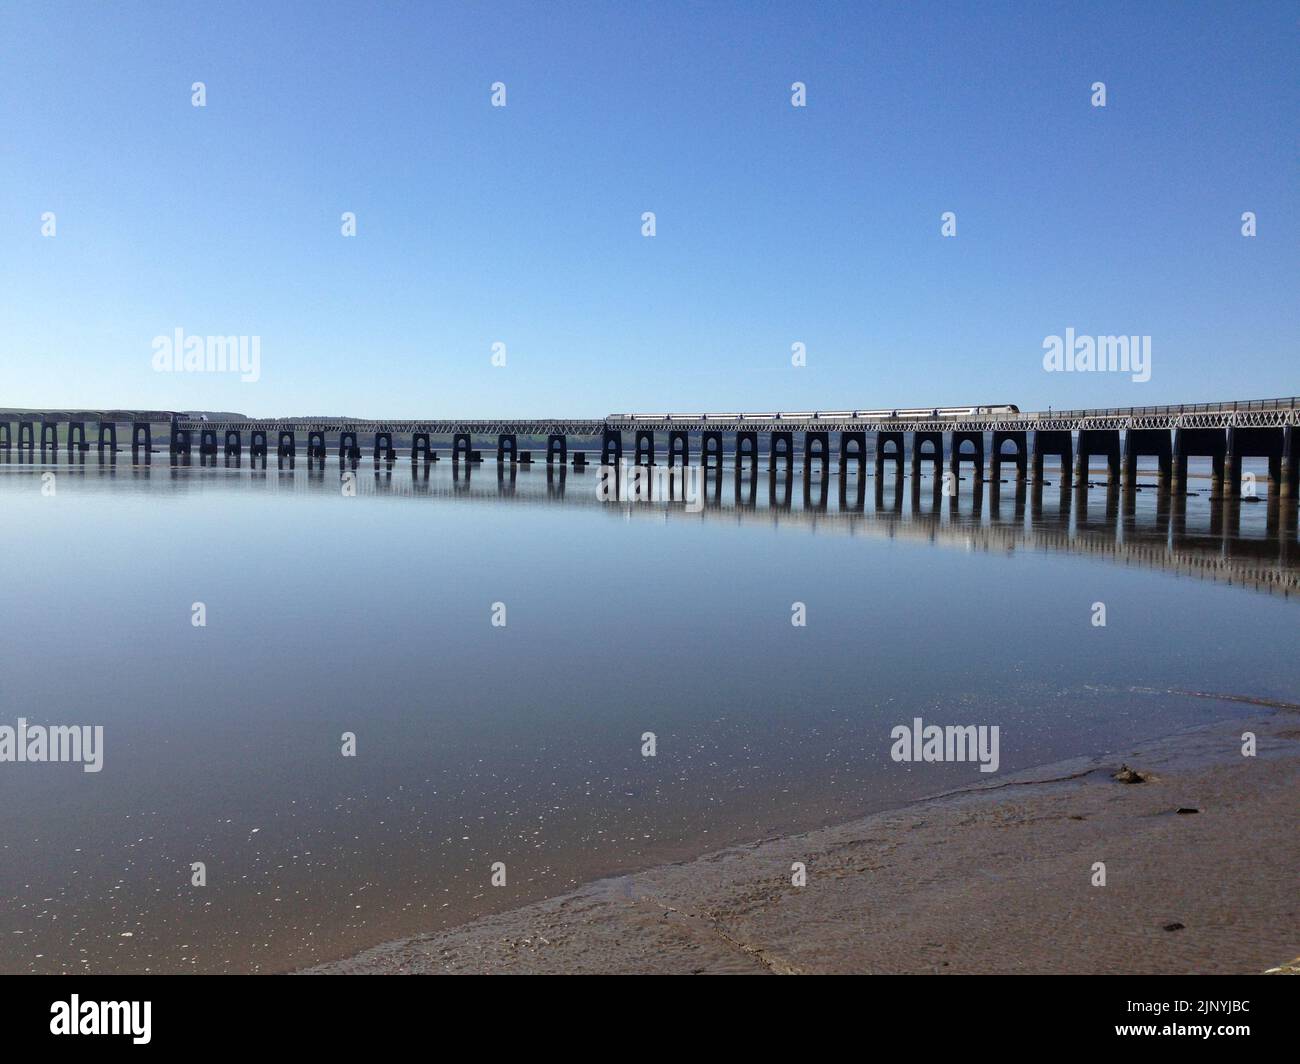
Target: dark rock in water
x=1185, y=809
x=1127, y=775
x=1175, y=926
x=1251, y=498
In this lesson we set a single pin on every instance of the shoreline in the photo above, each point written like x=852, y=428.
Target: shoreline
x=996, y=877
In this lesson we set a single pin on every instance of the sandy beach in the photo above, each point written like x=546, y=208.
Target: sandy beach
x=1200, y=860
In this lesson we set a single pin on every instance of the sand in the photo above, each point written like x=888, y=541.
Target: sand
x=996, y=878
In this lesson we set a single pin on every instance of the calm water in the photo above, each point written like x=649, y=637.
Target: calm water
x=372, y=614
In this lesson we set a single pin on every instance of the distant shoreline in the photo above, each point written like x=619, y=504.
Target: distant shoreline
x=993, y=878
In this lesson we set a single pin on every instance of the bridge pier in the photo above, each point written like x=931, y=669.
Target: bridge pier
x=611, y=447
x=781, y=447
x=315, y=444
x=883, y=439
x=919, y=440
x=348, y=448
x=207, y=441
x=679, y=448
x=816, y=448
x=50, y=435
x=1289, y=473
x=76, y=437
x=5, y=441
x=976, y=457
x=460, y=447
x=1058, y=445
x=182, y=441
x=1255, y=443
x=1200, y=443
x=257, y=443
x=856, y=453
x=507, y=441
x=711, y=450
x=286, y=446
x=384, y=447
x=557, y=449
x=107, y=431
x=747, y=449
x=644, y=448
x=1140, y=443
x=1021, y=457
x=421, y=442
x=1100, y=442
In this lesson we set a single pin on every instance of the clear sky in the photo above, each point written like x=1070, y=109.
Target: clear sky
x=522, y=225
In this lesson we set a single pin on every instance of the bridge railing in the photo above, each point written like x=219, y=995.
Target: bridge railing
x=1291, y=403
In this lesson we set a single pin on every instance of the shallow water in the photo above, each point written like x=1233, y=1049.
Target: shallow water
x=372, y=614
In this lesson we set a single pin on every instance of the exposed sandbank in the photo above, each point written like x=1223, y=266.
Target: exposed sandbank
x=996, y=878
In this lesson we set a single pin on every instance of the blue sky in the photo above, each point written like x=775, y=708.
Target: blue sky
x=522, y=225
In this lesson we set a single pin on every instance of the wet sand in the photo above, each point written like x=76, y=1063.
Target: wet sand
x=996, y=878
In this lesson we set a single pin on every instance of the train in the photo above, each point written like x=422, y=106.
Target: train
x=928, y=413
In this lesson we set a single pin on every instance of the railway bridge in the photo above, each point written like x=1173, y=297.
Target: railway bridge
x=987, y=440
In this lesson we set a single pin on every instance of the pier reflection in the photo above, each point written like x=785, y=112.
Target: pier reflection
x=1245, y=541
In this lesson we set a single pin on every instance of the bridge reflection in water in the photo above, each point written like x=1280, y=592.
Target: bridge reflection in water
x=1247, y=542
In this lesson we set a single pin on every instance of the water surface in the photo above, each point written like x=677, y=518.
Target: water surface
x=372, y=614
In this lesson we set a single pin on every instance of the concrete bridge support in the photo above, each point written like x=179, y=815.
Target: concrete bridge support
x=6, y=441
x=1059, y=445
x=421, y=447
x=207, y=441
x=1199, y=443
x=348, y=445
x=316, y=445
x=286, y=447
x=816, y=448
x=976, y=457
x=853, y=448
x=644, y=448
x=886, y=439
x=507, y=441
x=1140, y=443
x=781, y=447
x=76, y=437
x=747, y=449
x=27, y=435
x=460, y=448
x=919, y=439
x=1021, y=456
x=1103, y=442
x=234, y=443
x=711, y=453
x=611, y=447
x=182, y=441
x=107, y=435
x=679, y=447
x=257, y=443
x=1253, y=443
x=50, y=435
x=557, y=449
x=384, y=447
x=1290, y=470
